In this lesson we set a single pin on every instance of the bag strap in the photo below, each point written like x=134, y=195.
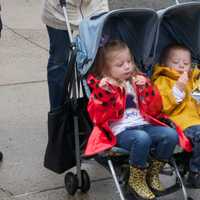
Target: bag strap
x=69, y=79
x=72, y=77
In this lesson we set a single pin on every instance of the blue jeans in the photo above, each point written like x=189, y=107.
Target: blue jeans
x=140, y=140
x=193, y=133
x=57, y=65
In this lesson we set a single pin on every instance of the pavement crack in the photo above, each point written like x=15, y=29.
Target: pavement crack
x=38, y=192
x=101, y=179
x=55, y=188
x=22, y=83
x=6, y=191
x=25, y=38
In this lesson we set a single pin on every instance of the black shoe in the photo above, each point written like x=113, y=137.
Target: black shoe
x=194, y=179
x=1, y=156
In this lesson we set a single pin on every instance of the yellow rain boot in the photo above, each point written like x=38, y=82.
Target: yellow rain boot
x=138, y=185
x=153, y=179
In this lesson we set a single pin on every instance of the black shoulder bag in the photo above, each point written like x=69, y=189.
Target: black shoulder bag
x=60, y=151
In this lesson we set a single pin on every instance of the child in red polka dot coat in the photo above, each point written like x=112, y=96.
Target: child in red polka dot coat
x=125, y=108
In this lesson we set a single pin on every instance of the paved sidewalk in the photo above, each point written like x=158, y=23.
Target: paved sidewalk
x=24, y=107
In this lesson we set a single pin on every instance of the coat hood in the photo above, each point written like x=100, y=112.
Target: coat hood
x=165, y=71
x=160, y=70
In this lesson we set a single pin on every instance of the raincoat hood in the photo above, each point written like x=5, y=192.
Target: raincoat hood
x=165, y=71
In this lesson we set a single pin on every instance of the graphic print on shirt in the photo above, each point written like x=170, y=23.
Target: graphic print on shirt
x=132, y=116
x=130, y=101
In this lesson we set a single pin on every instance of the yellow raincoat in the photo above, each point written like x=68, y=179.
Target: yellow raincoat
x=187, y=112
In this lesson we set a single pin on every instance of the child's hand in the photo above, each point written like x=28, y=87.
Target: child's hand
x=104, y=83
x=182, y=81
x=139, y=80
x=87, y=1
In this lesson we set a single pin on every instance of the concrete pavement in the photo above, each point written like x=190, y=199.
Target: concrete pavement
x=24, y=107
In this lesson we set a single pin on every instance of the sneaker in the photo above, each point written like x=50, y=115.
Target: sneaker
x=194, y=179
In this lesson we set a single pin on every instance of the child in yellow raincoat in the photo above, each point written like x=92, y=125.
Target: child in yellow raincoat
x=179, y=87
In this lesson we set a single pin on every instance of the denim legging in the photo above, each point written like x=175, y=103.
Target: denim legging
x=193, y=132
x=57, y=65
x=140, y=140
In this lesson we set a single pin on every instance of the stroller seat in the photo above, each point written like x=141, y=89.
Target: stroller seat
x=116, y=151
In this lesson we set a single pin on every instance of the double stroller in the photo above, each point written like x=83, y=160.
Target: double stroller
x=146, y=32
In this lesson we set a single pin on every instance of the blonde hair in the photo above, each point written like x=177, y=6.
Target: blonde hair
x=100, y=65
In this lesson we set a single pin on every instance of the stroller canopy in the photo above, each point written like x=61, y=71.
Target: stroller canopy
x=180, y=24
x=136, y=27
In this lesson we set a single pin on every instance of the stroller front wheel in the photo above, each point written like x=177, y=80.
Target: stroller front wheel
x=85, y=181
x=71, y=183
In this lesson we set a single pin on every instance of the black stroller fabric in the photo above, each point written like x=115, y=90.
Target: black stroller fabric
x=180, y=24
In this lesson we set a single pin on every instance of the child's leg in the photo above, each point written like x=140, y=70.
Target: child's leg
x=193, y=133
x=164, y=140
x=138, y=143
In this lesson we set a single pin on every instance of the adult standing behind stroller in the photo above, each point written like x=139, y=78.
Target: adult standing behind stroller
x=1, y=155
x=59, y=47
x=177, y=81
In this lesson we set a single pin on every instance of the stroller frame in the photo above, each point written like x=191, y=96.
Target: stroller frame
x=81, y=180
x=120, y=182
x=73, y=182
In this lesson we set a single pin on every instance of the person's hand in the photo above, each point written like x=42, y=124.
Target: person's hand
x=86, y=1
x=104, y=83
x=182, y=81
x=79, y=2
x=139, y=80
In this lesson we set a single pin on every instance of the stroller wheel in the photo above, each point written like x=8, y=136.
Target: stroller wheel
x=1, y=156
x=71, y=183
x=85, y=181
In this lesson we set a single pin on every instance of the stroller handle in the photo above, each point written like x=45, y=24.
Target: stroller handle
x=64, y=7
x=63, y=3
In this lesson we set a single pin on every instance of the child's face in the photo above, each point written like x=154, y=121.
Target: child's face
x=179, y=59
x=120, y=64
